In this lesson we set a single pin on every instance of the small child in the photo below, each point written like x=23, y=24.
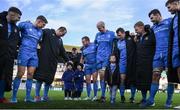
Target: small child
x=78, y=80
x=68, y=81
x=112, y=77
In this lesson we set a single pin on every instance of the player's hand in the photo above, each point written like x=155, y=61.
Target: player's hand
x=38, y=46
x=132, y=34
x=70, y=62
x=178, y=7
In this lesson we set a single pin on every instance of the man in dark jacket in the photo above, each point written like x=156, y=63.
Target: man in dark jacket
x=144, y=58
x=173, y=47
x=9, y=39
x=51, y=49
x=75, y=57
x=131, y=65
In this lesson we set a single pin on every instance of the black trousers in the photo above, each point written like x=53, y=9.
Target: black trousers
x=6, y=71
x=77, y=94
x=67, y=93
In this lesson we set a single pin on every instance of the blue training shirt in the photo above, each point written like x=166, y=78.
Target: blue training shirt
x=104, y=42
x=161, y=31
x=89, y=54
x=30, y=35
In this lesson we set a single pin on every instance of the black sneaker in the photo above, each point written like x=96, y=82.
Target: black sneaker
x=131, y=100
x=122, y=99
x=141, y=102
x=103, y=99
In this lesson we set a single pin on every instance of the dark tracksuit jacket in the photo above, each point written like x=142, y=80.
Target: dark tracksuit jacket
x=51, y=49
x=112, y=79
x=145, y=51
x=8, y=49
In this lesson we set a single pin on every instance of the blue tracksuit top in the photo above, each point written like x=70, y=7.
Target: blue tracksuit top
x=30, y=36
x=89, y=54
x=161, y=32
x=104, y=43
x=123, y=55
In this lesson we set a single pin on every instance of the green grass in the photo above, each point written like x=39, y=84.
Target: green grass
x=58, y=102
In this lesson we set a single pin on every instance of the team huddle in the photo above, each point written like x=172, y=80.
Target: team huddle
x=122, y=60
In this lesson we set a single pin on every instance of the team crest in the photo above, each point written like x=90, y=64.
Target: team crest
x=146, y=38
x=15, y=30
x=129, y=38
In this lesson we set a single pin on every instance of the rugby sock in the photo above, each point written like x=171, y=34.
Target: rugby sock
x=38, y=87
x=95, y=88
x=144, y=94
x=88, y=89
x=2, y=85
x=103, y=88
x=122, y=89
x=16, y=84
x=170, y=91
x=28, y=87
x=133, y=91
x=153, y=91
x=46, y=89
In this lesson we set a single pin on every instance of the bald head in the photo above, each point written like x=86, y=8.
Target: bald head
x=100, y=23
x=101, y=26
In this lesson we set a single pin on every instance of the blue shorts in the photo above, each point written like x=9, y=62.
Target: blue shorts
x=27, y=59
x=101, y=65
x=176, y=58
x=90, y=69
x=122, y=69
x=160, y=60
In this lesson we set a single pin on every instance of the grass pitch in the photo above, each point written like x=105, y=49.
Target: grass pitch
x=57, y=102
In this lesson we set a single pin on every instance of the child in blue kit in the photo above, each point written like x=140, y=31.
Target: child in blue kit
x=78, y=81
x=68, y=81
x=112, y=77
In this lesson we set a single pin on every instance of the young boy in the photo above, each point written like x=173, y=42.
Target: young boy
x=78, y=81
x=112, y=77
x=68, y=81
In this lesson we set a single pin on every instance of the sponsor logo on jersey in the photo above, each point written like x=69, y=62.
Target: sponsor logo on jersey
x=1, y=25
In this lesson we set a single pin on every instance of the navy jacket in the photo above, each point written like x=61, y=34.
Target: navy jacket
x=68, y=78
x=78, y=80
